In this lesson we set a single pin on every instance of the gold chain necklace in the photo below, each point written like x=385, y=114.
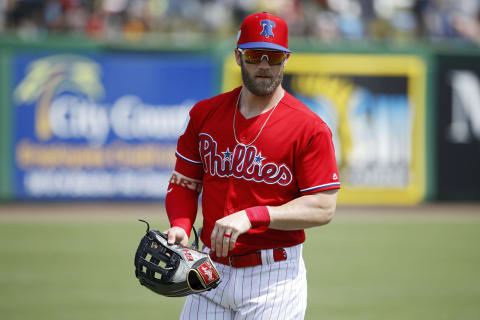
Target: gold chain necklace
x=263, y=126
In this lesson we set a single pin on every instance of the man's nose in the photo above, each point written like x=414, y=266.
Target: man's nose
x=264, y=62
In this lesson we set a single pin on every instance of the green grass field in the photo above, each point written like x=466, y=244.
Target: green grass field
x=402, y=265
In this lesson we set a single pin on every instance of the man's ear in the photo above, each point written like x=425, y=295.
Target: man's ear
x=285, y=61
x=238, y=57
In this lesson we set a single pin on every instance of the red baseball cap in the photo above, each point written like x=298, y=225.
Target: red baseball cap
x=263, y=31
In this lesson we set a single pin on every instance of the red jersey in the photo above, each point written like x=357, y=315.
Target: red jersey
x=293, y=156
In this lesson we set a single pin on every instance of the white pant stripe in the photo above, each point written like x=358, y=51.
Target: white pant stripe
x=292, y=293
x=257, y=294
x=269, y=289
x=275, y=295
x=234, y=289
x=283, y=291
x=223, y=297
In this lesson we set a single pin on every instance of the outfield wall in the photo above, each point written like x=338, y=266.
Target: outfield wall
x=83, y=121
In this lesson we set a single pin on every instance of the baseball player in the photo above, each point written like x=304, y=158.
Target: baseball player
x=266, y=166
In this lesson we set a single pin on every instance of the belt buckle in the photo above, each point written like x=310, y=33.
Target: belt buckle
x=230, y=261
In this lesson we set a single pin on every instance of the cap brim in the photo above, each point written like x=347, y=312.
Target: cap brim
x=263, y=45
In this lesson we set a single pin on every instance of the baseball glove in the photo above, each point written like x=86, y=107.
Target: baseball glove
x=173, y=270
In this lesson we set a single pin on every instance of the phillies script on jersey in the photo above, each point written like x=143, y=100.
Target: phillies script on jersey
x=245, y=162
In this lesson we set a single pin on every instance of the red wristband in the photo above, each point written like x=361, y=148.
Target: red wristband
x=258, y=216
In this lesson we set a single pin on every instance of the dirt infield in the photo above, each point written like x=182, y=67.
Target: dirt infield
x=124, y=211
x=111, y=211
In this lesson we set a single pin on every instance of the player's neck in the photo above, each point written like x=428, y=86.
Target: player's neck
x=252, y=105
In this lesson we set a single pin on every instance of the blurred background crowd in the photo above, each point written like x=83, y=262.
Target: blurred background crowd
x=326, y=20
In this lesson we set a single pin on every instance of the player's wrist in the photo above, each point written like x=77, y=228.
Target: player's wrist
x=184, y=226
x=259, y=216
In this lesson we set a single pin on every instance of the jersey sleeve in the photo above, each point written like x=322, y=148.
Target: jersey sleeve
x=188, y=157
x=316, y=169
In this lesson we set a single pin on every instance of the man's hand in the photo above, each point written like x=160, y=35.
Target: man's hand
x=226, y=231
x=176, y=234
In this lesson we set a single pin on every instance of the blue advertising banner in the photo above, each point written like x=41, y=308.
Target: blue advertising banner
x=102, y=126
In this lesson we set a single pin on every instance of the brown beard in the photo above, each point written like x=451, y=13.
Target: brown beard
x=261, y=87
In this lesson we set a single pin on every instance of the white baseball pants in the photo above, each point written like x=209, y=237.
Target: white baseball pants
x=273, y=290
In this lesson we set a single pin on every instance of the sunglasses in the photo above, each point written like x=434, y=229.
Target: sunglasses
x=255, y=56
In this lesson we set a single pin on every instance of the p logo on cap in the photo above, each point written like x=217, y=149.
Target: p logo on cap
x=263, y=31
x=268, y=26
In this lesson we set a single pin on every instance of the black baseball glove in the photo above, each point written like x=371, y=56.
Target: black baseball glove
x=173, y=270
